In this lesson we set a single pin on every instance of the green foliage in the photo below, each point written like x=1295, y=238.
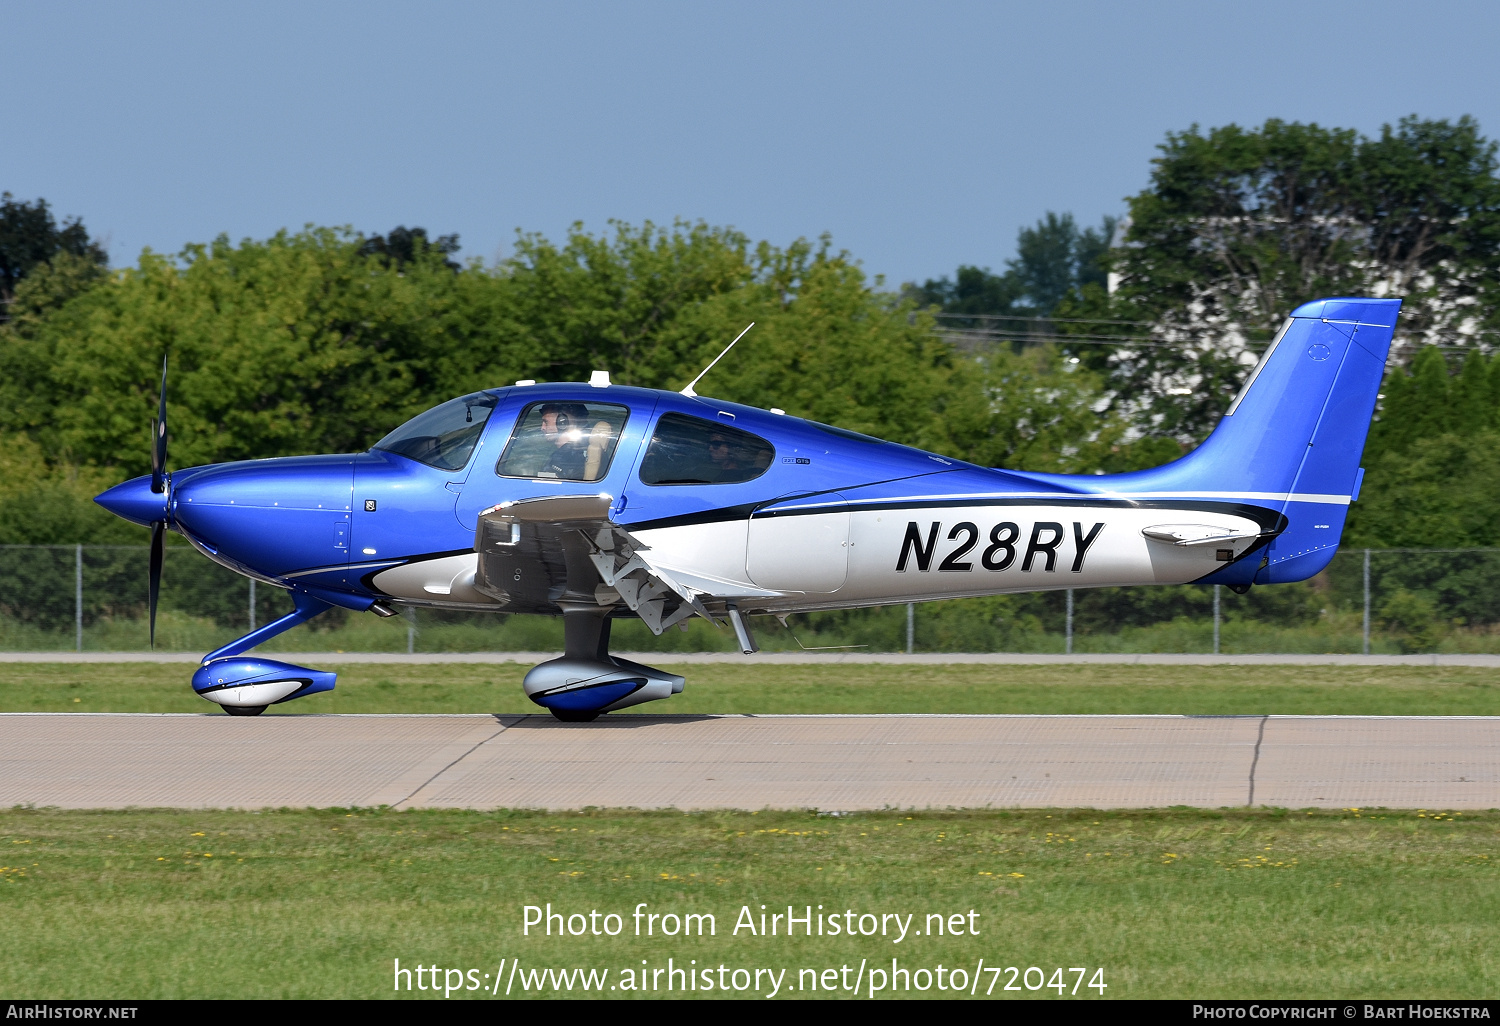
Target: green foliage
x=42, y=503
x=30, y=238
x=292, y=345
x=1239, y=226
x=1255, y=222
x=322, y=341
x=1439, y=492
x=405, y=246
x=1053, y=259
x=1413, y=620
x=1433, y=459
x=1427, y=399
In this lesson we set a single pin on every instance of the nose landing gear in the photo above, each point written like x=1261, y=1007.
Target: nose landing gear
x=246, y=685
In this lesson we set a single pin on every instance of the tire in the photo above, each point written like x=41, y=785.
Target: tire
x=575, y=715
x=244, y=710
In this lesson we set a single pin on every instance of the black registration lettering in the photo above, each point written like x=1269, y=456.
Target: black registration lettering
x=1002, y=539
x=952, y=562
x=1049, y=547
x=912, y=543
x=1082, y=543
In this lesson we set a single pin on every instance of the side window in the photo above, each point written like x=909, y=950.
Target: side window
x=689, y=451
x=564, y=440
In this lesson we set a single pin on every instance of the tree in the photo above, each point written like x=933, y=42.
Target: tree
x=1054, y=258
x=404, y=246
x=1441, y=492
x=295, y=344
x=29, y=236
x=1240, y=226
x=313, y=342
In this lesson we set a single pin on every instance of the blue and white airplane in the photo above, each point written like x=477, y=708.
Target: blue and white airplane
x=598, y=501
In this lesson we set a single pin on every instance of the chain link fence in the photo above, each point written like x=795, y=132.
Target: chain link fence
x=93, y=598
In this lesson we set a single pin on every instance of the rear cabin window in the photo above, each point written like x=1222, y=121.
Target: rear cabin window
x=567, y=441
x=690, y=451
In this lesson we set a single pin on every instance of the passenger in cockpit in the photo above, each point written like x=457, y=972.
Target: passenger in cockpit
x=725, y=461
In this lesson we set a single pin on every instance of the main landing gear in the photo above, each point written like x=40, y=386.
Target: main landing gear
x=587, y=680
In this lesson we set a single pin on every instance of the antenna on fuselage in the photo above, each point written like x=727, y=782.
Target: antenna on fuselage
x=689, y=390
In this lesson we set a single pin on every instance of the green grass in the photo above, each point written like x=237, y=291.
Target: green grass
x=750, y=688
x=941, y=627
x=1176, y=903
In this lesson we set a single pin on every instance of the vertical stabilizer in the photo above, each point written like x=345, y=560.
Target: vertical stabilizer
x=1291, y=440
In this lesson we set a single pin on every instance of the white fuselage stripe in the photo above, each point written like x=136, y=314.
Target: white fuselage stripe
x=918, y=501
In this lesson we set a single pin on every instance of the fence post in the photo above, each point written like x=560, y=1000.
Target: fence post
x=411, y=630
x=911, y=627
x=252, y=603
x=78, y=598
x=1069, y=640
x=1216, y=619
x=1367, y=603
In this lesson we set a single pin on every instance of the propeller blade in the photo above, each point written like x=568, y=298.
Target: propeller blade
x=158, y=535
x=159, y=436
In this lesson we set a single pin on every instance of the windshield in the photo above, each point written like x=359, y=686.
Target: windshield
x=444, y=436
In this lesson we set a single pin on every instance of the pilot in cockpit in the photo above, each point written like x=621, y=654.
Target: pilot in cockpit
x=563, y=425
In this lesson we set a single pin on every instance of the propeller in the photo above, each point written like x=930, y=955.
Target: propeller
x=158, y=534
x=159, y=436
x=160, y=479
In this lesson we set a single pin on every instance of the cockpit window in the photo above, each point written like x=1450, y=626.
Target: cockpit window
x=564, y=440
x=689, y=451
x=444, y=436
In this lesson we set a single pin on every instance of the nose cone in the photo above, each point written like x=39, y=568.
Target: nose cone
x=135, y=501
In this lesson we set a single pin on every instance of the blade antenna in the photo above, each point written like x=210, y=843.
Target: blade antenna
x=689, y=390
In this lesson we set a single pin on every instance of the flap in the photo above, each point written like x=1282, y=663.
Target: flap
x=553, y=509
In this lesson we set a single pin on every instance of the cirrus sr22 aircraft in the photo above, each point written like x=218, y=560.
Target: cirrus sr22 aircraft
x=598, y=501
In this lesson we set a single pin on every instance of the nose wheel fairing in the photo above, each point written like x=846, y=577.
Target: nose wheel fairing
x=245, y=681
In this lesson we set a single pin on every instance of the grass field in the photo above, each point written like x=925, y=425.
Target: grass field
x=869, y=688
x=1169, y=904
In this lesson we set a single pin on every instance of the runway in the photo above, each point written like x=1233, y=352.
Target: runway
x=843, y=763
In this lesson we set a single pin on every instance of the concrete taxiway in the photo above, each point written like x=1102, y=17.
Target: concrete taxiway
x=117, y=760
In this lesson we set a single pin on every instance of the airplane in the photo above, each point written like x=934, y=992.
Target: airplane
x=598, y=501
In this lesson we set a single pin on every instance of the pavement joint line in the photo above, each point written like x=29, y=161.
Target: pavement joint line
x=1255, y=759
x=795, y=761
x=500, y=729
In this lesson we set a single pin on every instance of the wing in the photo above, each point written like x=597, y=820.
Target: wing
x=541, y=555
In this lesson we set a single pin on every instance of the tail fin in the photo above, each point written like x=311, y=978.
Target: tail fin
x=1292, y=439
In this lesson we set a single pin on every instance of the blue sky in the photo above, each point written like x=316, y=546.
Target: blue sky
x=919, y=135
